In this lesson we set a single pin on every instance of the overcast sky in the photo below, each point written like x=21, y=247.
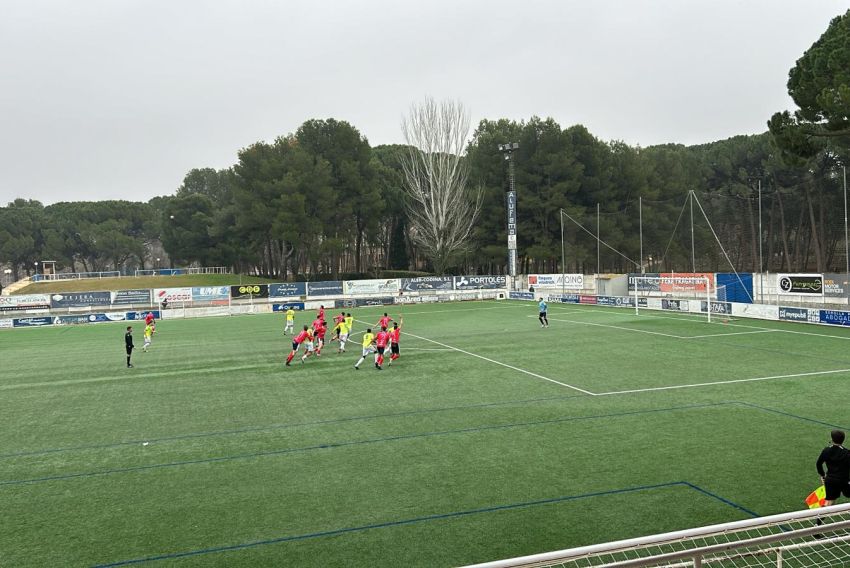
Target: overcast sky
x=118, y=99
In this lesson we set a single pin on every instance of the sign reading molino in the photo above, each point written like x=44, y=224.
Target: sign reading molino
x=800, y=284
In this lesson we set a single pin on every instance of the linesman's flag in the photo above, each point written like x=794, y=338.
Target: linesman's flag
x=816, y=498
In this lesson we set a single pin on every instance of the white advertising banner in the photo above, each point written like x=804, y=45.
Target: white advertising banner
x=172, y=295
x=565, y=281
x=355, y=287
x=758, y=311
x=5, y=323
x=25, y=302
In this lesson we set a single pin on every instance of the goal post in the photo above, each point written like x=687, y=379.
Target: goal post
x=679, y=293
x=812, y=538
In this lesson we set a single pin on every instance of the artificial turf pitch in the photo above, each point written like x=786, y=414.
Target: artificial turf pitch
x=489, y=438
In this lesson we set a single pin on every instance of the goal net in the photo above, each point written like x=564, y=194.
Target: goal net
x=789, y=540
x=685, y=294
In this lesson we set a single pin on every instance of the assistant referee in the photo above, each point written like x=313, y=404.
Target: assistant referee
x=836, y=479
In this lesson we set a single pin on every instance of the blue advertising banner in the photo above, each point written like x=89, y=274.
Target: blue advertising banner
x=70, y=320
x=835, y=317
x=570, y=299
x=131, y=297
x=329, y=288
x=297, y=306
x=424, y=283
x=80, y=299
x=794, y=314
x=287, y=289
x=133, y=316
x=520, y=295
x=32, y=322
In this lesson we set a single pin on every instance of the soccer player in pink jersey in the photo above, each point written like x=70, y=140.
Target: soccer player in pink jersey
x=381, y=340
x=384, y=322
x=296, y=342
x=395, y=334
x=320, y=337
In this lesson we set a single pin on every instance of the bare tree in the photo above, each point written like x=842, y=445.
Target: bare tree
x=441, y=208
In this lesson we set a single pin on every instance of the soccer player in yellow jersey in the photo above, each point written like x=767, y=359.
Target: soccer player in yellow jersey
x=349, y=323
x=148, y=337
x=342, y=332
x=368, y=341
x=290, y=321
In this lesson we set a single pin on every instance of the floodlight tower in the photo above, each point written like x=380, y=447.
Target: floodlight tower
x=508, y=151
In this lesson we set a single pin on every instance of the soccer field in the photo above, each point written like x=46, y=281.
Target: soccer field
x=489, y=438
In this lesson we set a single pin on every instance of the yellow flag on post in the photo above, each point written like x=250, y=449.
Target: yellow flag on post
x=816, y=498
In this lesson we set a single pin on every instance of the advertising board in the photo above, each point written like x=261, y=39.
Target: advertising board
x=327, y=288
x=362, y=287
x=562, y=281
x=249, y=291
x=80, y=299
x=799, y=284
x=24, y=302
x=480, y=282
x=131, y=297
x=425, y=283
x=287, y=289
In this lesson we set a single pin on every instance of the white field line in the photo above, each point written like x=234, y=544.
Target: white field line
x=671, y=335
x=500, y=363
x=727, y=382
x=617, y=327
x=427, y=348
x=730, y=333
x=683, y=317
x=463, y=309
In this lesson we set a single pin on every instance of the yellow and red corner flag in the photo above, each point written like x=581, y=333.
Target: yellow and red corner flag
x=816, y=498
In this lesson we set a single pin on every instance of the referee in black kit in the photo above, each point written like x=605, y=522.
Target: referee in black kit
x=128, y=342
x=836, y=480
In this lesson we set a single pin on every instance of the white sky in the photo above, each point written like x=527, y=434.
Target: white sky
x=118, y=99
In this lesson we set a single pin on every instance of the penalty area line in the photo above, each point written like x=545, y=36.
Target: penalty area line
x=727, y=382
x=503, y=364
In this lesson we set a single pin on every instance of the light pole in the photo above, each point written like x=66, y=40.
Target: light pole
x=508, y=151
x=36, y=271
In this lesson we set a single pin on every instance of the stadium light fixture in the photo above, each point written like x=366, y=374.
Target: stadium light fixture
x=510, y=205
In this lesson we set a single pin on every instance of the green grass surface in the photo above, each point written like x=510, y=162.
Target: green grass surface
x=140, y=282
x=445, y=458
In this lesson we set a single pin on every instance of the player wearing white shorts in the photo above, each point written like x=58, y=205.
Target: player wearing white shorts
x=342, y=331
x=308, y=345
x=368, y=349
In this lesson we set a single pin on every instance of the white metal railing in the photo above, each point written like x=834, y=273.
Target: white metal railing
x=763, y=541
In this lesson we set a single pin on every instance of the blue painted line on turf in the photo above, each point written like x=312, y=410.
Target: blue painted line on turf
x=273, y=427
x=416, y=520
x=721, y=499
x=331, y=445
x=790, y=415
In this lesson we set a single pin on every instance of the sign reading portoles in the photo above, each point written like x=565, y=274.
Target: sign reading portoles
x=249, y=291
x=480, y=282
x=799, y=284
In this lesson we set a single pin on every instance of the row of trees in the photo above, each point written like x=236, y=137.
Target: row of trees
x=322, y=202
